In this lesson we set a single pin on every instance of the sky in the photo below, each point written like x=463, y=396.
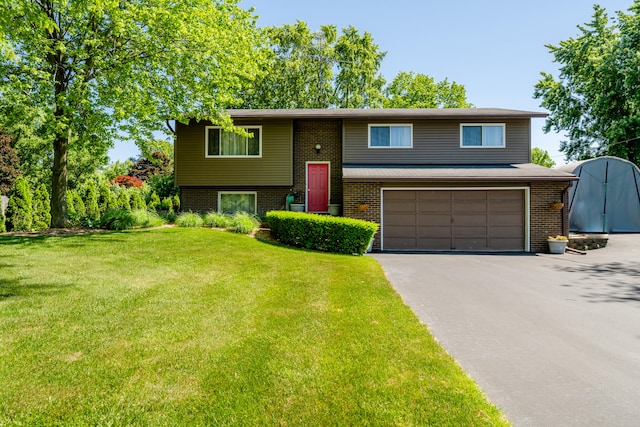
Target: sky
x=494, y=48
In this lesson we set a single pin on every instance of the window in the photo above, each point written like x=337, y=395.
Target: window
x=230, y=202
x=482, y=135
x=390, y=136
x=221, y=143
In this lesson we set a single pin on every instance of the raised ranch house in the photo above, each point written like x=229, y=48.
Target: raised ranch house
x=434, y=179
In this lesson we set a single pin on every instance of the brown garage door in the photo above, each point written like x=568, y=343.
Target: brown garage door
x=469, y=220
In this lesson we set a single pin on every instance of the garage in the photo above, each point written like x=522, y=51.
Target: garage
x=454, y=219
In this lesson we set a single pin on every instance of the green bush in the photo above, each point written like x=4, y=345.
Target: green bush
x=3, y=225
x=118, y=219
x=91, y=201
x=137, y=202
x=20, y=207
x=319, y=232
x=41, y=208
x=145, y=219
x=244, y=223
x=176, y=202
x=189, y=219
x=76, y=209
x=106, y=198
x=123, y=200
x=217, y=220
x=167, y=204
x=154, y=201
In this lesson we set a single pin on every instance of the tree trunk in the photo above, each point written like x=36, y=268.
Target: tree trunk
x=59, y=181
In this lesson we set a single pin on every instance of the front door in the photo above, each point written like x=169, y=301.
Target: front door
x=317, y=187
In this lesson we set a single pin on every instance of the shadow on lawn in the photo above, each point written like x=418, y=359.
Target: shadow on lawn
x=614, y=281
x=70, y=237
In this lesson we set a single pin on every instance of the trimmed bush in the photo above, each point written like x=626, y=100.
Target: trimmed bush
x=20, y=208
x=244, y=223
x=320, y=232
x=117, y=219
x=217, y=220
x=41, y=212
x=189, y=219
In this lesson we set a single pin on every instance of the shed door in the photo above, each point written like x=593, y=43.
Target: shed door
x=465, y=220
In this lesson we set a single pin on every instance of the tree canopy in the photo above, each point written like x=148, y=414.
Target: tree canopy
x=595, y=98
x=541, y=157
x=409, y=90
x=86, y=73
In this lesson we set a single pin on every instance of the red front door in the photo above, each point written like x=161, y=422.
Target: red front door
x=317, y=187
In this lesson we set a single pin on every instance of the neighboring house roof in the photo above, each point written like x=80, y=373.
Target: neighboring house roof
x=389, y=113
x=514, y=172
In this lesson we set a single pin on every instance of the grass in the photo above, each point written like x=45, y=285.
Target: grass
x=193, y=326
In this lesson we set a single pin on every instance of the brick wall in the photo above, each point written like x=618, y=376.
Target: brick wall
x=545, y=221
x=327, y=133
x=361, y=200
x=204, y=199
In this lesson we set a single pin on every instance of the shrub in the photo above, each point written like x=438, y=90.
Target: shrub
x=137, y=202
x=117, y=219
x=75, y=206
x=91, y=201
x=106, y=199
x=127, y=181
x=123, y=200
x=145, y=219
x=154, y=201
x=163, y=185
x=325, y=233
x=189, y=219
x=176, y=202
x=218, y=220
x=244, y=223
x=167, y=204
x=20, y=207
x=3, y=225
x=41, y=211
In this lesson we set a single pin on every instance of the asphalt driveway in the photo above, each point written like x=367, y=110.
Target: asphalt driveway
x=551, y=339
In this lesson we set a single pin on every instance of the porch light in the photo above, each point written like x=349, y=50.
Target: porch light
x=318, y=148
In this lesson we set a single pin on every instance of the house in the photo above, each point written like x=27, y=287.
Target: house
x=434, y=179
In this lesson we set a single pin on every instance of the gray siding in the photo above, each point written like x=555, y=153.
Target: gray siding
x=436, y=142
x=274, y=168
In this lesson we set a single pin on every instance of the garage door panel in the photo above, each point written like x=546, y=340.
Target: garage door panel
x=453, y=219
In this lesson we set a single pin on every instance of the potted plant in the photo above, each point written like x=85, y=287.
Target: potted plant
x=557, y=244
x=556, y=205
x=297, y=206
x=334, y=209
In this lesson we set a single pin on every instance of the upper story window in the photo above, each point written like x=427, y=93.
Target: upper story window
x=482, y=135
x=222, y=143
x=390, y=136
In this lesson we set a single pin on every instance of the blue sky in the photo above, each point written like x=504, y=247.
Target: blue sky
x=495, y=48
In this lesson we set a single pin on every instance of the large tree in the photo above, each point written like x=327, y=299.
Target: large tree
x=93, y=70
x=595, y=98
x=409, y=90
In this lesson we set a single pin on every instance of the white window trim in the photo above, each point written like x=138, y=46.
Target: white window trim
x=255, y=204
x=504, y=136
x=527, y=206
x=206, y=143
x=410, y=125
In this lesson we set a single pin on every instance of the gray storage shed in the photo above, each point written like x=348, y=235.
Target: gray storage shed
x=606, y=199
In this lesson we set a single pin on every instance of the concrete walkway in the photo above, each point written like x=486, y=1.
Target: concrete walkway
x=553, y=340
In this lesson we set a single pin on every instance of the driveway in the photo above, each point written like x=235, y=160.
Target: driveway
x=551, y=339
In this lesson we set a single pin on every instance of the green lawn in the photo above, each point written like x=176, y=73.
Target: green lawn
x=178, y=326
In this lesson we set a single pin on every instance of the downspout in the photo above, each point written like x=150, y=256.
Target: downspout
x=565, y=213
x=606, y=182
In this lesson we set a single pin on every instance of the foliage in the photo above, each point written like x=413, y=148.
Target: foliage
x=90, y=72
x=128, y=181
x=124, y=201
x=189, y=219
x=320, y=232
x=106, y=198
x=147, y=147
x=409, y=90
x=41, y=214
x=166, y=204
x=8, y=162
x=176, y=202
x=145, y=219
x=3, y=223
x=211, y=328
x=216, y=220
x=163, y=185
x=156, y=164
x=118, y=219
x=137, y=201
x=541, y=157
x=595, y=98
x=91, y=201
x=115, y=169
x=77, y=208
x=20, y=208
x=244, y=223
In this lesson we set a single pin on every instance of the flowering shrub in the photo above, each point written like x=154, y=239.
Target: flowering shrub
x=127, y=181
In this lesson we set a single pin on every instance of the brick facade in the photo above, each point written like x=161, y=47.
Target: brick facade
x=204, y=199
x=362, y=201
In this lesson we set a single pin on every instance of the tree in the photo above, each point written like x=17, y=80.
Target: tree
x=595, y=98
x=20, y=207
x=541, y=157
x=156, y=164
x=90, y=71
x=8, y=162
x=409, y=90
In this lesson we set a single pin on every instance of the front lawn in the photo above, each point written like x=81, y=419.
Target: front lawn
x=178, y=326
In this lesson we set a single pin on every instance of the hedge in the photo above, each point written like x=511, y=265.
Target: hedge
x=321, y=232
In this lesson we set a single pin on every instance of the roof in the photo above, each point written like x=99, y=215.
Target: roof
x=572, y=167
x=513, y=172
x=377, y=113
